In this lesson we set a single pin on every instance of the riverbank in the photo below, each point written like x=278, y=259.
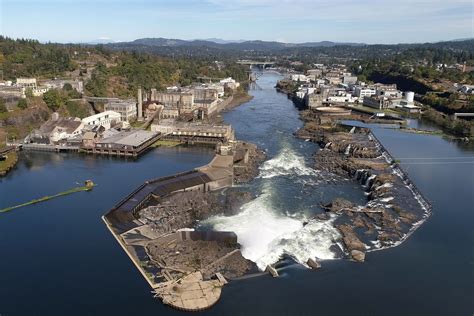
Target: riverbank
x=238, y=98
x=11, y=159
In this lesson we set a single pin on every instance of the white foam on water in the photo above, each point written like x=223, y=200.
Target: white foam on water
x=312, y=241
x=287, y=162
x=266, y=235
x=385, y=185
x=256, y=226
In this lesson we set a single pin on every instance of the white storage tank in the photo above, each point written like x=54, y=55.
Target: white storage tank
x=409, y=96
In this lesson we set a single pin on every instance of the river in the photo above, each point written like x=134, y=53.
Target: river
x=58, y=257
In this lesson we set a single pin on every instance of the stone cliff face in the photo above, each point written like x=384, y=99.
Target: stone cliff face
x=28, y=117
x=18, y=124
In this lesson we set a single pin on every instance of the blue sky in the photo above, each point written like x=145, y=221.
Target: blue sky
x=368, y=21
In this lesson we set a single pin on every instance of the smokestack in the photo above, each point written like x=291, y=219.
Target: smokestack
x=140, y=104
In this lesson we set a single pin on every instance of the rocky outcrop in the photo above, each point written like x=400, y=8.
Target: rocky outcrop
x=234, y=199
x=209, y=257
x=247, y=159
x=313, y=264
x=358, y=256
x=350, y=239
x=391, y=208
x=184, y=209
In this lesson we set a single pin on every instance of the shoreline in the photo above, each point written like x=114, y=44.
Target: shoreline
x=9, y=163
x=237, y=100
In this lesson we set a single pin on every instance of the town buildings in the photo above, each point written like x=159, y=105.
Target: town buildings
x=26, y=83
x=122, y=143
x=77, y=85
x=126, y=108
x=197, y=132
x=196, y=101
x=337, y=87
x=229, y=83
x=105, y=119
x=55, y=130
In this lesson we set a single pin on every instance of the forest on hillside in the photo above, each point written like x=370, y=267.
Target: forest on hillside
x=106, y=72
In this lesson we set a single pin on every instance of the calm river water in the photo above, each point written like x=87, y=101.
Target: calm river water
x=58, y=258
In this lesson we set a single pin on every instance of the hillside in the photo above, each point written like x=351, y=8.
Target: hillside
x=104, y=73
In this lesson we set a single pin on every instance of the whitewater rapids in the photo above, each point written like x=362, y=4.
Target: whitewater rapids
x=266, y=231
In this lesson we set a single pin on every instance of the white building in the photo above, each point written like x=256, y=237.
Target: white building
x=340, y=99
x=408, y=103
x=127, y=109
x=26, y=82
x=300, y=94
x=56, y=129
x=349, y=80
x=467, y=89
x=299, y=77
x=39, y=91
x=78, y=85
x=229, y=83
x=7, y=83
x=389, y=93
x=315, y=72
x=106, y=119
x=362, y=92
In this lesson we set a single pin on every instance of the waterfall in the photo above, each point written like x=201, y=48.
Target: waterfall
x=348, y=150
x=361, y=176
x=327, y=145
x=369, y=181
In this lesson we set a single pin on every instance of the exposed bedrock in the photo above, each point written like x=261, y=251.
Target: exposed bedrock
x=391, y=209
x=247, y=159
x=209, y=257
x=185, y=209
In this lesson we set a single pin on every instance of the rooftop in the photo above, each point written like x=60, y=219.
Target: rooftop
x=129, y=138
x=69, y=124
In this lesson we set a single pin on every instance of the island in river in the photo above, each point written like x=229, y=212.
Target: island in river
x=186, y=268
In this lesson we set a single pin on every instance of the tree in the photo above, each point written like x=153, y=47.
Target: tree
x=3, y=107
x=67, y=87
x=53, y=99
x=29, y=92
x=22, y=104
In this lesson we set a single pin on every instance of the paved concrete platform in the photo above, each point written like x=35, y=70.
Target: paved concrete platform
x=190, y=293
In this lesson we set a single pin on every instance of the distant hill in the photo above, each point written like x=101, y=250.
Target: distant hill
x=220, y=40
x=255, y=45
x=221, y=49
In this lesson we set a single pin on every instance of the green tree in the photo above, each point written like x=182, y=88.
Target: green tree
x=73, y=94
x=67, y=87
x=53, y=99
x=22, y=104
x=29, y=92
x=3, y=107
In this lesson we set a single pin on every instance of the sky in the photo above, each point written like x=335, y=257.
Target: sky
x=295, y=21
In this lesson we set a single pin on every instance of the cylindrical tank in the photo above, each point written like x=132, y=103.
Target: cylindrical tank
x=410, y=96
